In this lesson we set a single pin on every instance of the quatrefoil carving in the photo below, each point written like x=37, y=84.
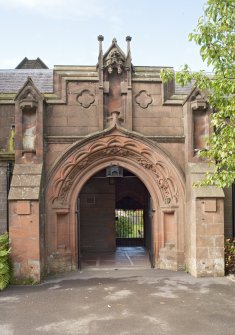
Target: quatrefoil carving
x=86, y=98
x=143, y=99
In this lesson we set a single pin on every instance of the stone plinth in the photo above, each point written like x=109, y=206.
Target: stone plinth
x=24, y=219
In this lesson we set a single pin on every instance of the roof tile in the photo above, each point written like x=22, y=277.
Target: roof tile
x=11, y=81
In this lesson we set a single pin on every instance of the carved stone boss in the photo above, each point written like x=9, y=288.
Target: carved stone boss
x=114, y=60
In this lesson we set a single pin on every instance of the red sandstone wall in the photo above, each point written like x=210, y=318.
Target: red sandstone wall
x=156, y=119
x=25, y=238
x=75, y=118
x=70, y=121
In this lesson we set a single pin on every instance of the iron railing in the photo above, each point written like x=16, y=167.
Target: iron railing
x=129, y=227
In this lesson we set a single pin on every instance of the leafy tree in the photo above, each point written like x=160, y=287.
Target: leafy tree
x=124, y=228
x=215, y=34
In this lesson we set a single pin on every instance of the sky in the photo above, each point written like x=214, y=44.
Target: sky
x=64, y=32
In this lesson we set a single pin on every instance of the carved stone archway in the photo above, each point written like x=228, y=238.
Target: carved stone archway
x=133, y=152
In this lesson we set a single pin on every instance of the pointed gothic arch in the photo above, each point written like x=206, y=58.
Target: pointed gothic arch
x=162, y=178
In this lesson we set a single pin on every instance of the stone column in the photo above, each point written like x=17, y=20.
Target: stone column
x=25, y=230
x=205, y=226
x=129, y=109
x=101, y=84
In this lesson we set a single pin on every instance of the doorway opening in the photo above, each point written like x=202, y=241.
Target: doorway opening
x=114, y=221
x=129, y=227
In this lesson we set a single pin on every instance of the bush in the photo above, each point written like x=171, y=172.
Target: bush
x=229, y=253
x=5, y=268
x=124, y=228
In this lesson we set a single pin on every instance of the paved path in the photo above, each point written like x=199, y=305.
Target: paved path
x=120, y=302
x=123, y=257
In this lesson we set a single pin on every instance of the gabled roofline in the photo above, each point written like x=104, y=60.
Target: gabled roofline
x=25, y=60
x=114, y=44
x=30, y=82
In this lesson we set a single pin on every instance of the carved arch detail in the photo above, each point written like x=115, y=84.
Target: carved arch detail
x=114, y=147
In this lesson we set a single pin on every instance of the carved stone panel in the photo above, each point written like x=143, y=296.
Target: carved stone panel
x=143, y=99
x=86, y=98
x=114, y=60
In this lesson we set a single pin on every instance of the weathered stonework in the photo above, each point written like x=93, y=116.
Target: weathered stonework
x=163, y=180
x=74, y=122
x=206, y=217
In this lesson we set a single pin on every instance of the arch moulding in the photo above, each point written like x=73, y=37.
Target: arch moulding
x=115, y=146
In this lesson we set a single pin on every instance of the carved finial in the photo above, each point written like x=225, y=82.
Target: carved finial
x=128, y=39
x=128, y=58
x=114, y=40
x=100, y=38
x=100, y=58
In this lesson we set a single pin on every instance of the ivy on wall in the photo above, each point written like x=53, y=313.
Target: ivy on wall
x=5, y=268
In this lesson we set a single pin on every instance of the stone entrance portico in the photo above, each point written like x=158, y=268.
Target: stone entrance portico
x=73, y=122
x=162, y=179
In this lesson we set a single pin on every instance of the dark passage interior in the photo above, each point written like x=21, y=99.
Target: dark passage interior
x=114, y=227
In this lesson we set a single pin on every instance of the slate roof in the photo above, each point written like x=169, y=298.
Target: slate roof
x=31, y=64
x=12, y=80
x=183, y=90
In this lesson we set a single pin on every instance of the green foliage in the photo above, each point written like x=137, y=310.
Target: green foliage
x=229, y=253
x=215, y=34
x=24, y=281
x=5, y=267
x=124, y=228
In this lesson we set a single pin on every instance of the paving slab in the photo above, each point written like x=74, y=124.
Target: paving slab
x=120, y=302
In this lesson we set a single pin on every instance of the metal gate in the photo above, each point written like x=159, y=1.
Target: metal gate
x=129, y=227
